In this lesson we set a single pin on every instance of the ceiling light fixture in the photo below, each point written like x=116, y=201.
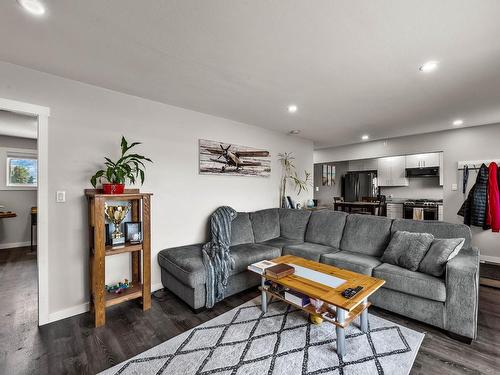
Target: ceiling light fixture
x=365, y=137
x=34, y=7
x=458, y=122
x=292, y=108
x=429, y=66
x=294, y=132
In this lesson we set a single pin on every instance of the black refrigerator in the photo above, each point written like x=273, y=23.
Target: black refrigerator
x=358, y=185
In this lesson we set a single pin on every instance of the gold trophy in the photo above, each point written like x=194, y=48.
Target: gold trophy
x=116, y=214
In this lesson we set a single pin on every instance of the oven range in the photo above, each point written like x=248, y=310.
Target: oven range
x=422, y=209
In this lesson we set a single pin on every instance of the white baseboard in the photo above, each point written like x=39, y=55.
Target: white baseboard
x=490, y=259
x=14, y=244
x=84, y=307
x=156, y=287
x=66, y=313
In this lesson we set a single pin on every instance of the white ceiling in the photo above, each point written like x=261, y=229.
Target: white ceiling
x=350, y=66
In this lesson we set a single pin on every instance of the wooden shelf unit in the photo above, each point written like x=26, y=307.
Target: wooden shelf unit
x=141, y=286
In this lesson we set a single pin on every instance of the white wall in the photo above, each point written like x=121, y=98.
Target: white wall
x=476, y=143
x=418, y=188
x=86, y=124
x=325, y=194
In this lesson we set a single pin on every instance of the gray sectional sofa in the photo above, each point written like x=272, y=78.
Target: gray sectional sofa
x=354, y=242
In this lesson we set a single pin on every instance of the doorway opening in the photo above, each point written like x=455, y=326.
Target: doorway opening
x=23, y=210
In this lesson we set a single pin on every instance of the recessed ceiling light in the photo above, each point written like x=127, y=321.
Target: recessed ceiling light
x=458, y=122
x=34, y=7
x=365, y=137
x=294, y=132
x=292, y=108
x=429, y=66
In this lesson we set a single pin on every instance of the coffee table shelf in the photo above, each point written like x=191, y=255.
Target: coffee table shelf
x=311, y=310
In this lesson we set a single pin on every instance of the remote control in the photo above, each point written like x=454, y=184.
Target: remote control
x=350, y=292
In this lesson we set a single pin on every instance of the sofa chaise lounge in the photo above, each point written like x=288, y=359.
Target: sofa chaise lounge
x=355, y=242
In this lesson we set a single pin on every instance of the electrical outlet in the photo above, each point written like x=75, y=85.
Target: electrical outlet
x=454, y=187
x=317, y=188
x=60, y=196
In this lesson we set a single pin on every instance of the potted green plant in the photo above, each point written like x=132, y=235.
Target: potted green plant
x=289, y=174
x=129, y=167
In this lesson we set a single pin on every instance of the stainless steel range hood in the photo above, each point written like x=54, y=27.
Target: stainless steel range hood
x=422, y=172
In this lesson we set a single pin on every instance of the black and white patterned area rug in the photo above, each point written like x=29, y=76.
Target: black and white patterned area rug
x=282, y=341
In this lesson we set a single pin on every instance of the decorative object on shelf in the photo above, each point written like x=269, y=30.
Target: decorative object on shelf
x=289, y=174
x=310, y=203
x=116, y=214
x=317, y=303
x=229, y=159
x=118, y=288
x=128, y=167
x=133, y=233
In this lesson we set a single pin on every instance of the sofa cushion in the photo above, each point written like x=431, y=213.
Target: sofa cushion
x=414, y=283
x=246, y=254
x=185, y=263
x=407, y=249
x=308, y=250
x=438, y=229
x=366, y=234
x=265, y=224
x=351, y=261
x=293, y=223
x=280, y=242
x=326, y=227
x=441, y=251
x=241, y=229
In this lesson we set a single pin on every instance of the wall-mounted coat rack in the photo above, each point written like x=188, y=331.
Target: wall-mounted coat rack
x=476, y=164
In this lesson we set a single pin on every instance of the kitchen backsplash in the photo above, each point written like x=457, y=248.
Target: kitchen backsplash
x=419, y=188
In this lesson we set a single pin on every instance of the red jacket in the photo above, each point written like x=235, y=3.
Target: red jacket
x=493, y=211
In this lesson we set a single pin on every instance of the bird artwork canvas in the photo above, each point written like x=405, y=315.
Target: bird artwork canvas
x=234, y=160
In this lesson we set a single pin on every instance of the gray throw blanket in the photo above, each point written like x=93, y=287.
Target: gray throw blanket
x=216, y=256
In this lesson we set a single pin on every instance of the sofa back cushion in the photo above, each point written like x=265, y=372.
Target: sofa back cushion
x=366, y=234
x=293, y=223
x=438, y=229
x=265, y=224
x=326, y=227
x=241, y=229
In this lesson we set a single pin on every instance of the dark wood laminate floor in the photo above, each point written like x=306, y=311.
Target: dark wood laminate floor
x=73, y=346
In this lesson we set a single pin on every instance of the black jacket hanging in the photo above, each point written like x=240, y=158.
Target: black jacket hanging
x=474, y=208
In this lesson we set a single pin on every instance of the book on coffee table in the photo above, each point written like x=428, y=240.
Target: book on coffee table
x=260, y=267
x=280, y=270
x=297, y=298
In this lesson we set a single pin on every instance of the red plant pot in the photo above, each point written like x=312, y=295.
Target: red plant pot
x=113, y=188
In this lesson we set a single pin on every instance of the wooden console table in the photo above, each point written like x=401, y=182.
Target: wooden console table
x=141, y=287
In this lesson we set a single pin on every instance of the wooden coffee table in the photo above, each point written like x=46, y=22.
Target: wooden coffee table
x=314, y=285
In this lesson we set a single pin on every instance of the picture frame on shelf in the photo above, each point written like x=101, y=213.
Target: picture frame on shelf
x=108, y=234
x=133, y=232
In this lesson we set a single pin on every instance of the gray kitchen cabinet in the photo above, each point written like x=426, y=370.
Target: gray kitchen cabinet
x=362, y=165
x=426, y=160
x=441, y=169
x=394, y=210
x=391, y=171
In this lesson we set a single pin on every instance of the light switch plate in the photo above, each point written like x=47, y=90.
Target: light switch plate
x=60, y=196
x=454, y=187
x=317, y=188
